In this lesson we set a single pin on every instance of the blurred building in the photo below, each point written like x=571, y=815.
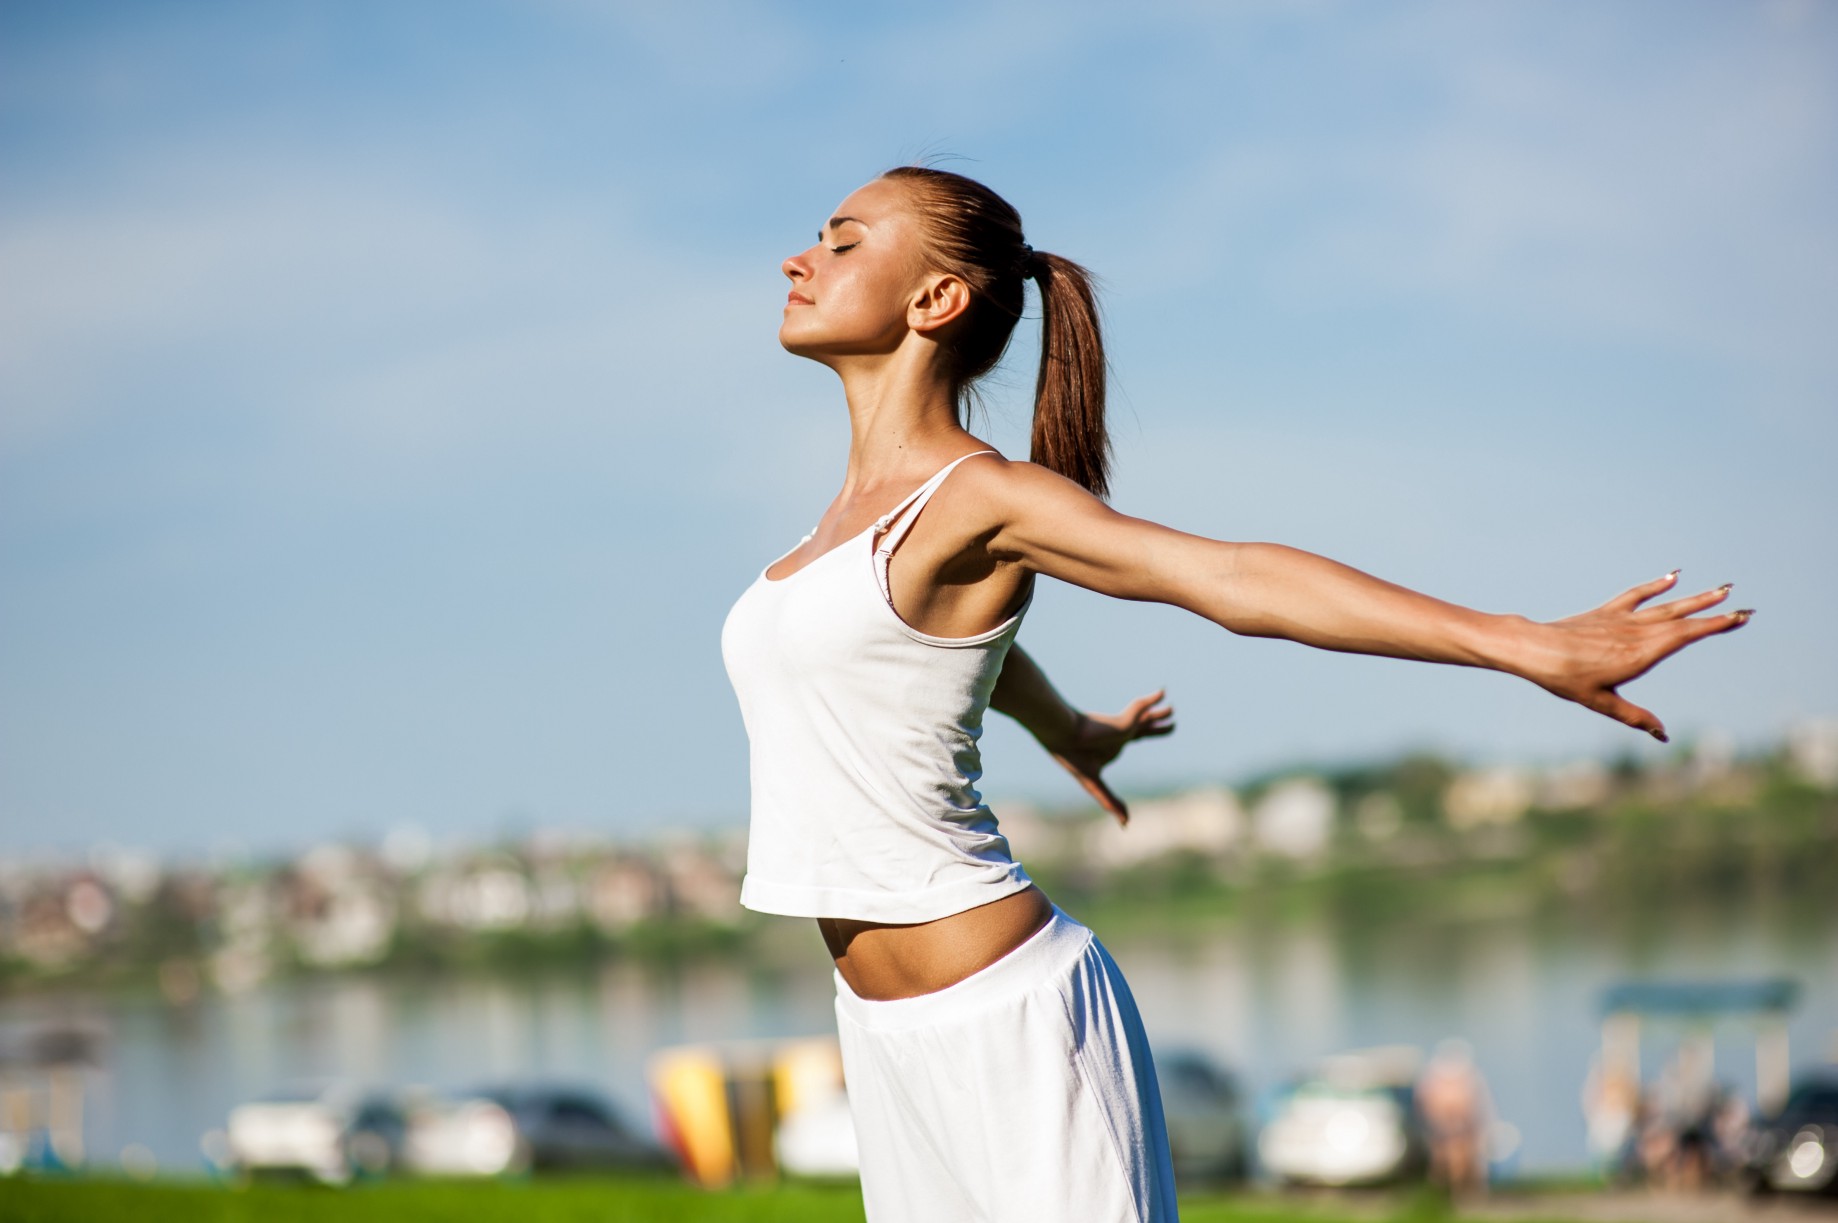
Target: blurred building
x=1491, y=796
x=231, y=925
x=1578, y=784
x=1209, y=821
x=1812, y=752
x=621, y=891
x=1294, y=818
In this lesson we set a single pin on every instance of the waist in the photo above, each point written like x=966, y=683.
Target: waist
x=881, y=961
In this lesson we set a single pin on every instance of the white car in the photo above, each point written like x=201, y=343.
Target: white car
x=1325, y=1135
x=467, y=1136
x=512, y=1129
x=331, y=1132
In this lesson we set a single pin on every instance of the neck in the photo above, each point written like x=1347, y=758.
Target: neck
x=901, y=416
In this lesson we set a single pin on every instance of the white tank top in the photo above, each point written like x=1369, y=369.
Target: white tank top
x=863, y=737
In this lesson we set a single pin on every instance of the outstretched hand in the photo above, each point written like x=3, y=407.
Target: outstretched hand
x=1585, y=658
x=1099, y=738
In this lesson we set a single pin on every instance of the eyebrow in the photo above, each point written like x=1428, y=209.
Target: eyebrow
x=838, y=223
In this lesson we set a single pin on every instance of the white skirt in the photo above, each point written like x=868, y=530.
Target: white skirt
x=1023, y=1092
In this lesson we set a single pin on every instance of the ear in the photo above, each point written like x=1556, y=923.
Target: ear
x=940, y=300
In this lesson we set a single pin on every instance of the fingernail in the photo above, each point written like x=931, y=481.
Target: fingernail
x=1742, y=617
x=1659, y=734
x=1670, y=576
x=1726, y=588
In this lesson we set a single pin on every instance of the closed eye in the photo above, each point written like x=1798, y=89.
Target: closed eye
x=837, y=250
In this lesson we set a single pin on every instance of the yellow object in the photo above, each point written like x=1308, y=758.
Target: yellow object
x=691, y=1088
x=806, y=1073
x=719, y=1105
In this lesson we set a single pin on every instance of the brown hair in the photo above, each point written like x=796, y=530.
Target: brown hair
x=973, y=233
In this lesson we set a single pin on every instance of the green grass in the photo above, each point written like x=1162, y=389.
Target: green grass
x=567, y=1200
x=571, y=1200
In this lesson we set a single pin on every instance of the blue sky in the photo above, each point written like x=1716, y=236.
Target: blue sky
x=392, y=407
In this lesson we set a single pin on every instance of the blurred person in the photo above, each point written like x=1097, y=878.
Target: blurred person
x=1655, y=1147
x=1611, y=1105
x=1731, y=1126
x=996, y=1063
x=1453, y=1102
x=1677, y=1123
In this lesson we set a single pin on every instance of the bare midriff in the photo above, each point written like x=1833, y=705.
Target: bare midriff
x=881, y=961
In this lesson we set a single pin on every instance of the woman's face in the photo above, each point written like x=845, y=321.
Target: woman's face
x=850, y=292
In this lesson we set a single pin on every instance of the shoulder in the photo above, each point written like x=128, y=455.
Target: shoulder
x=1013, y=510
x=1006, y=487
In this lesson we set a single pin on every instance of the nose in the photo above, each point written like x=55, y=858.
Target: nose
x=796, y=268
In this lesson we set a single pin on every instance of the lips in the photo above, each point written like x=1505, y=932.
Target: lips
x=795, y=298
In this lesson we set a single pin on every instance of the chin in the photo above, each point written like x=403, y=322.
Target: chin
x=799, y=343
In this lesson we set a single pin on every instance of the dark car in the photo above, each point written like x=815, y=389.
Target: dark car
x=1207, y=1131
x=520, y=1128
x=1797, y=1149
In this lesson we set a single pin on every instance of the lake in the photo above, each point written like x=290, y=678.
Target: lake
x=1264, y=999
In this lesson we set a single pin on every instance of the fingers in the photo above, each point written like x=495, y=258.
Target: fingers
x=1136, y=709
x=1688, y=630
x=1145, y=717
x=1094, y=785
x=1621, y=709
x=1106, y=798
x=1691, y=604
x=1711, y=625
x=1157, y=721
x=1634, y=596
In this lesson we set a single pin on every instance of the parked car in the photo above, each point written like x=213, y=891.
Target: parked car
x=520, y=1128
x=1205, y=1115
x=1797, y=1149
x=1352, y=1122
x=332, y=1132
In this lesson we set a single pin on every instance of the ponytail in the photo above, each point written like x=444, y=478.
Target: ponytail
x=1069, y=432
x=975, y=234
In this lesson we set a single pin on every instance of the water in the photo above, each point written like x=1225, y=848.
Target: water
x=1265, y=1000
x=1525, y=996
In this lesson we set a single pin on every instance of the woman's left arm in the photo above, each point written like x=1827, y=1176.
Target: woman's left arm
x=1052, y=526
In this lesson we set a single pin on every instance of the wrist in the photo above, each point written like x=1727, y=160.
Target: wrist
x=1516, y=645
x=1060, y=732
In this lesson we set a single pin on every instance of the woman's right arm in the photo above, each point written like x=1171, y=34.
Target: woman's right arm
x=1083, y=743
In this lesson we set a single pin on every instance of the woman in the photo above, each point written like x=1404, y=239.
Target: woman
x=996, y=1064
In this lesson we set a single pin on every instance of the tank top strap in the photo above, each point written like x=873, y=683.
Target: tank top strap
x=895, y=523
